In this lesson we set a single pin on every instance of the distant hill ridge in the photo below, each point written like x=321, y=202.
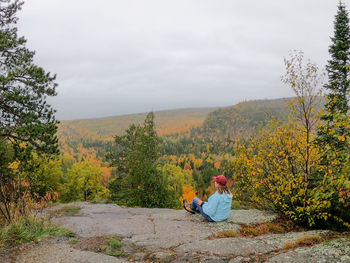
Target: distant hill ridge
x=177, y=120
x=167, y=122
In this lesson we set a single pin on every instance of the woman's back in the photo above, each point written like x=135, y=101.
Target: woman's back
x=218, y=206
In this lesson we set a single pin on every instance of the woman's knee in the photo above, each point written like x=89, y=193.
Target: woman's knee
x=195, y=200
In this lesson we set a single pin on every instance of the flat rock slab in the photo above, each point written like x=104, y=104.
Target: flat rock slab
x=63, y=253
x=250, y=217
x=167, y=235
x=233, y=247
x=333, y=251
x=162, y=228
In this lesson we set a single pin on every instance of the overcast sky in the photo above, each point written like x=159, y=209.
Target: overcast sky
x=116, y=57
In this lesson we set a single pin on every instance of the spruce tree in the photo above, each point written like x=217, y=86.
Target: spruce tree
x=332, y=134
x=338, y=66
x=139, y=180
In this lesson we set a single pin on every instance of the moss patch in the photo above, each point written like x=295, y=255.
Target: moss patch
x=110, y=245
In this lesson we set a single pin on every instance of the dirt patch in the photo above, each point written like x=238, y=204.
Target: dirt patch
x=109, y=245
x=225, y=234
x=68, y=210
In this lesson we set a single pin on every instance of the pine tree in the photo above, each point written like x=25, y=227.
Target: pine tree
x=25, y=117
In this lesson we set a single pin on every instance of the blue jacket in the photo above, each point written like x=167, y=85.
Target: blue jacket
x=218, y=206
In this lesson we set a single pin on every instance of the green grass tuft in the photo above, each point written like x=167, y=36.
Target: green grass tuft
x=30, y=229
x=115, y=243
x=73, y=241
x=116, y=253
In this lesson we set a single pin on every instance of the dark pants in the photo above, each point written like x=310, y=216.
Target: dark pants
x=196, y=207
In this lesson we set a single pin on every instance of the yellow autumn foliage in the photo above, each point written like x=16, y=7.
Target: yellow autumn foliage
x=271, y=173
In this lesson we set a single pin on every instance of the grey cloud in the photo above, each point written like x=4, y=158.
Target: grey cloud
x=117, y=57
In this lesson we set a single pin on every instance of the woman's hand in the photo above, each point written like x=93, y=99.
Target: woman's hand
x=199, y=202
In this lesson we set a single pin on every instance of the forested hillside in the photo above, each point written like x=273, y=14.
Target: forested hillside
x=184, y=126
x=76, y=133
x=224, y=126
x=244, y=118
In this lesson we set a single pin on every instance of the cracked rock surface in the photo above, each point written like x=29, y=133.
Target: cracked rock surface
x=166, y=235
x=333, y=251
x=64, y=253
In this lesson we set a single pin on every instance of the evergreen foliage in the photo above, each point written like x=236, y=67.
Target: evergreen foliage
x=332, y=134
x=139, y=180
x=338, y=66
x=25, y=115
x=6, y=153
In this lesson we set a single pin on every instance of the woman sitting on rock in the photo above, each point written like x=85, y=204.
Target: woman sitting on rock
x=218, y=206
